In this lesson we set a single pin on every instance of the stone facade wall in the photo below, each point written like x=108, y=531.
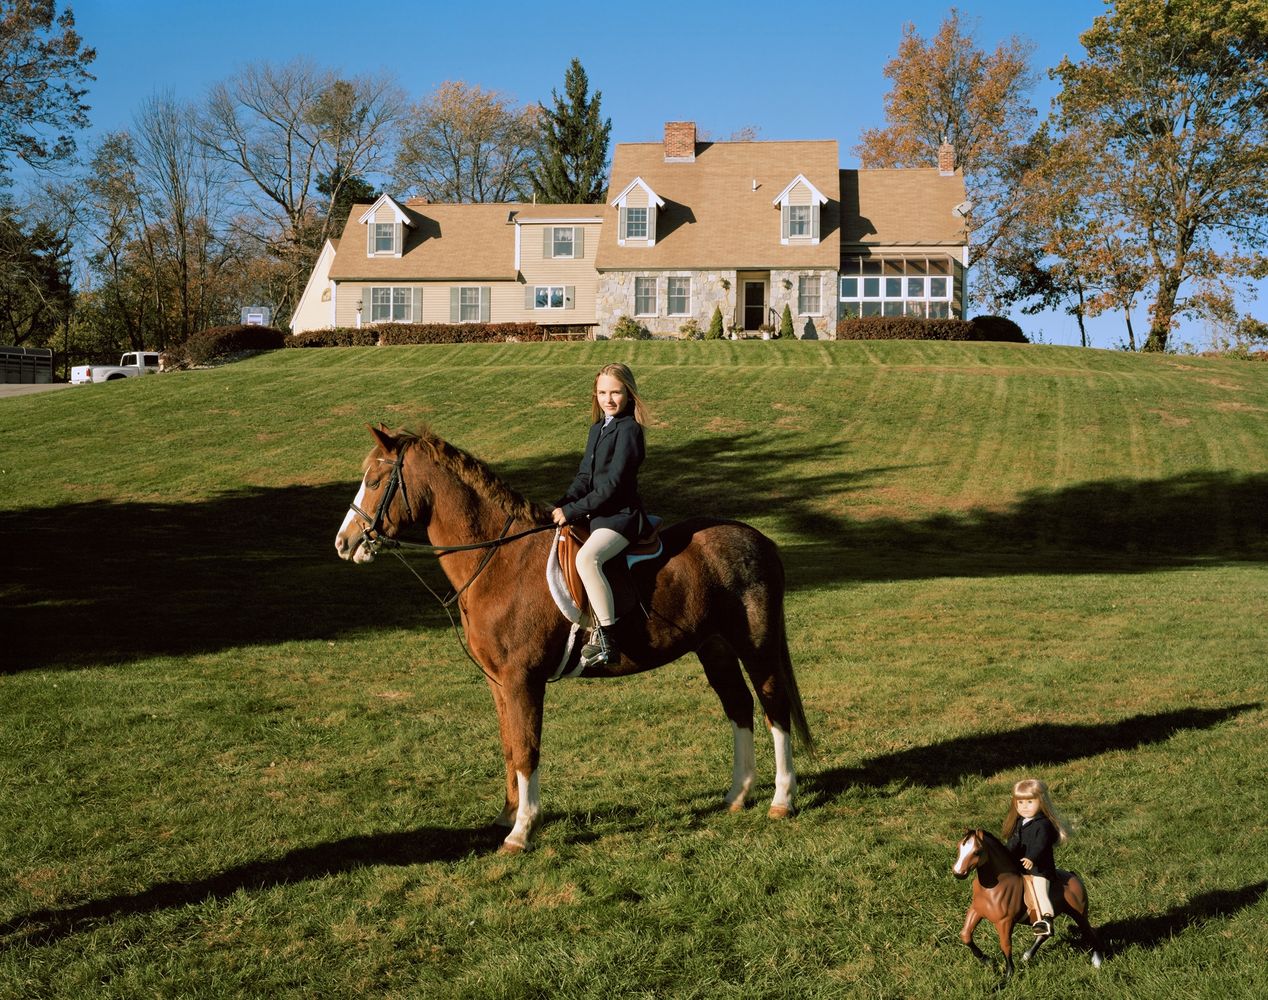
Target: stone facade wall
x=821, y=327
x=616, y=299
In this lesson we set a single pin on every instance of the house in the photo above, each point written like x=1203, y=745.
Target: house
x=689, y=227
x=419, y=262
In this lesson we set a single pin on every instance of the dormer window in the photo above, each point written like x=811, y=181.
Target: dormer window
x=799, y=221
x=799, y=212
x=636, y=208
x=636, y=223
x=385, y=223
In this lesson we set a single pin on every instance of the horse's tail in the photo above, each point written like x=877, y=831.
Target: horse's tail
x=788, y=678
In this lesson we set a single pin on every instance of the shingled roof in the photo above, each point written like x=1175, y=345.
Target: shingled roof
x=718, y=207
x=913, y=206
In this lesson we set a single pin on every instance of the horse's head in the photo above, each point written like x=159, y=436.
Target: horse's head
x=969, y=854
x=382, y=506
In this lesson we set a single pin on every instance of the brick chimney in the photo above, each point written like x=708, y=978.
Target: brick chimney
x=680, y=142
x=418, y=201
x=946, y=158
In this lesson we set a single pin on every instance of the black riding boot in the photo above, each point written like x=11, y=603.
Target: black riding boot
x=601, y=649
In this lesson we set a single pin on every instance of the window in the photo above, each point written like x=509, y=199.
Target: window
x=678, y=296
x=636, y=223
x=469, y=305
x=390, y=305
x=644, y=296
x=562, y=242
x=808, y=295
x=799, y=220
x=384, y=237
x=548, y=297
x=910, y=286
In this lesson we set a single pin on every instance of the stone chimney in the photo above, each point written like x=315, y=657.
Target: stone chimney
x=680, y=142
x=946, y=158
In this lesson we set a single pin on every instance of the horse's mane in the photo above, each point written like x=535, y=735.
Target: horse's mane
x=1003, y=848
x=474, y=473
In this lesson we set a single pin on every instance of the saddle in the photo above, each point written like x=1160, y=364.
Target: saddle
x=575, y=535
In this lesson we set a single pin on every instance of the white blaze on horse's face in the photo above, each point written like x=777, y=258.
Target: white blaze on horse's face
x=349, y=543
x=963, y=861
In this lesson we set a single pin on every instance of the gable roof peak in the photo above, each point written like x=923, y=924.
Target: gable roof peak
x=783, y=195
x=400, y=215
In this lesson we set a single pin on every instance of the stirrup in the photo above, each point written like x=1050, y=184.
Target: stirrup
x=600, y=650
x=1042, y=926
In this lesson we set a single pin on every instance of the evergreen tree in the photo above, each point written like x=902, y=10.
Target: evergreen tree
x=573, y=145
x=342, y=190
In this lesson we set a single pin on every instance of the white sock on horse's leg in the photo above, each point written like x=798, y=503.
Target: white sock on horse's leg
x=525, y=815
x=785, y=777
x=743, y=767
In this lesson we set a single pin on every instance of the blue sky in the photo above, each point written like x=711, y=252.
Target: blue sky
x=795, y=69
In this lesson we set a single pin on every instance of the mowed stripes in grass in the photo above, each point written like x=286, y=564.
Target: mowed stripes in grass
x=234, y=766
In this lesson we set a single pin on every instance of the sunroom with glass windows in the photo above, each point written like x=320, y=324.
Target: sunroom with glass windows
x=910, y=285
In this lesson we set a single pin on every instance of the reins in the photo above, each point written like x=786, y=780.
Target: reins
x=373, y=538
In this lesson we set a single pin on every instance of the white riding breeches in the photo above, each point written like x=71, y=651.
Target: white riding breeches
x=602, y=545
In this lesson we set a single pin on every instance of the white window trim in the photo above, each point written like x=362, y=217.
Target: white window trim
x=479, y=302
x=572, y=242
x=563, y=297
x=669, y=309
x=655, y=297
x=635, y=208
x=653, y=201
x=392, y=290
x=808, y=221
x=810, y=277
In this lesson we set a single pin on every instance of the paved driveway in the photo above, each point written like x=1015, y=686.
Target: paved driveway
x=25, y=389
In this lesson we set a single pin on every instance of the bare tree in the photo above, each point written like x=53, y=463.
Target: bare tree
x=281, y=128
x=466, y=144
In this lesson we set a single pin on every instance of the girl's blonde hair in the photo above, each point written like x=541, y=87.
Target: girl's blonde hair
x=1033, y=788
x=621, y=372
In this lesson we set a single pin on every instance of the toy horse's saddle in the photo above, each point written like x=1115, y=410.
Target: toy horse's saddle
x=1056, y=890
x=570, y=539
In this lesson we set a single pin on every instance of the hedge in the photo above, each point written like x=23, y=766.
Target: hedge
x=457, y=333
x=982, y=328
x=336, y=336
x=219, y=342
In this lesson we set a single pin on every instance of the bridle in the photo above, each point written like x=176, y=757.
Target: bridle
x=375, y=541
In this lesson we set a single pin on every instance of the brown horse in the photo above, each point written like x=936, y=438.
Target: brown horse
x=999, y=896
x=718, y=591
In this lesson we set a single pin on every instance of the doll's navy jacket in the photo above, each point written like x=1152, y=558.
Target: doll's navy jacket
x=1035, y=840
x=606, y=487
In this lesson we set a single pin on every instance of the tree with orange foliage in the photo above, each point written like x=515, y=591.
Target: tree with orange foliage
x=950, y=89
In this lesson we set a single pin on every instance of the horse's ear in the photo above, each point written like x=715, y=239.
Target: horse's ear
x=383, y=436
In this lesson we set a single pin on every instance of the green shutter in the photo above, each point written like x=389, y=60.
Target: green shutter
x=578, y=242
x=369, y=239
x=814, y=220
x=416, y=313
x=453, y=305
x=398, y=237
x=783, y=222
x=530, y=297
x=548, y=243
x=569, y=291
x=620, y=223
x=486, y=303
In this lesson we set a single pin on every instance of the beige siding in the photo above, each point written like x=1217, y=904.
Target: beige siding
x=636, y=198
x=540, y=270
x=800, y=194
x=385, y=214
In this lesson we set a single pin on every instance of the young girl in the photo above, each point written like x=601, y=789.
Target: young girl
x=1033, y=827
x=606, y=493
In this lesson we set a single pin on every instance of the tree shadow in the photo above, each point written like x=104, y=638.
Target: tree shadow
x=1152, y=930
x=414, y=847
x=949, y=762
x=101, y=581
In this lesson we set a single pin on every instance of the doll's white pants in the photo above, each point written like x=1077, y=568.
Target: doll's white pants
x=602, y=545
x=1042, y=900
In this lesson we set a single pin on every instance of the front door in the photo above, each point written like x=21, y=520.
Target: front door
x=754, y=304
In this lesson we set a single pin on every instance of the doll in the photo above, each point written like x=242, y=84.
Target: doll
x=1032, y=828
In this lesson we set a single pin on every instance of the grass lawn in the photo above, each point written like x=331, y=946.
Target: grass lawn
x=231, y=765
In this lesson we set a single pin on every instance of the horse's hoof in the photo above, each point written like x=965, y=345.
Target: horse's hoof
x=780, y=812
x=734, y=805
x=510, y=848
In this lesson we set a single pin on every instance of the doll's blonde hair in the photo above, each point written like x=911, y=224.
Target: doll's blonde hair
x=1034, y=788
x=621, y=372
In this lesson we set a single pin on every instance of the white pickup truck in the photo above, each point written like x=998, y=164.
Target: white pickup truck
x=132, y=363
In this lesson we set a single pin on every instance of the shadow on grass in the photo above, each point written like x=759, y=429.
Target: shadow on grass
x=94, y=582
x=414, y=847
x=951, y=761
x=1156, y=929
